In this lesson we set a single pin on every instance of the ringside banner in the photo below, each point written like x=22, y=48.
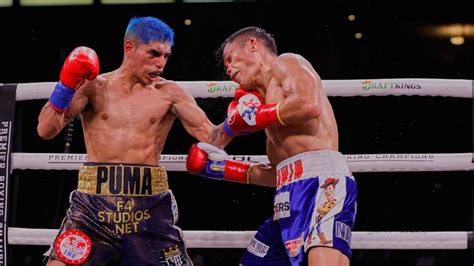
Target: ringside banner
x=7, y=115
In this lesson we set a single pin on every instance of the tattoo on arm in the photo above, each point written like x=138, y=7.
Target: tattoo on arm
x=71, y=114
x=65, y=117
x=68, y=117
x=217, y=133
x=47, y=107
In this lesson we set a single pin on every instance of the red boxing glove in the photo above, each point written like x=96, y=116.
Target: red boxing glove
x=239, y=92
x=209, y=161
x=247, y=114
x=81, y=64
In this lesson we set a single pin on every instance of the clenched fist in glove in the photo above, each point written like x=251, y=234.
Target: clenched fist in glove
x=247, y=113
x=81, y=64
x=209, y=161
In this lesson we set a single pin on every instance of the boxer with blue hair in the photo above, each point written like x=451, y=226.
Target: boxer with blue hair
x=123, y=210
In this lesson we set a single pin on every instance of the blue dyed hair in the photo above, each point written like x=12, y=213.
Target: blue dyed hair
x=149, y=29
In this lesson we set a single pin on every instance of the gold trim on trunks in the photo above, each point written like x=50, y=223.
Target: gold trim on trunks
x=122, y=180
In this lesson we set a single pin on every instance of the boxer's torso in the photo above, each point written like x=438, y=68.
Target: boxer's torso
x=315, y=134
x=126, y=122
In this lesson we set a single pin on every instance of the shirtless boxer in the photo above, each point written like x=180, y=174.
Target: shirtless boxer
x=313, y=217
x=123, y=210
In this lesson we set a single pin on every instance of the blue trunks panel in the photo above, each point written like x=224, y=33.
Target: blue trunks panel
x=314, y=205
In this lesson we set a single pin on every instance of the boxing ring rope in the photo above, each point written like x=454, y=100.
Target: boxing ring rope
x=408, y=162
x=241, y=239
x=460, y=88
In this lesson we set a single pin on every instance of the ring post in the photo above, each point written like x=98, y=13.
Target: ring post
x=7, y=115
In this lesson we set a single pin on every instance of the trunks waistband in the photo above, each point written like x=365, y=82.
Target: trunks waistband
x=318, y=163
x=122, y=179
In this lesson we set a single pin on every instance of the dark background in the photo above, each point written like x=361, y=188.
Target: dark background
x=35, y=41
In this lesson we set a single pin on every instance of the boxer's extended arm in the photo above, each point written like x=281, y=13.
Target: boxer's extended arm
x=301, y=88
x=195, y=120
x=209, y=161
x=262, y=175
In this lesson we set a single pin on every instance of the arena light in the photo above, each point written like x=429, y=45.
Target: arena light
x=466, y=30
x=455, y=33
x=5, y=3
x=351, y=17
x=209, y=1
x=457, y=40
x=136, y=1
x=55, y=2
x=448, y=30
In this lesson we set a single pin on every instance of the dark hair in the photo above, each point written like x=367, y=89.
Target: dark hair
x=245, y=34
x=148, y=29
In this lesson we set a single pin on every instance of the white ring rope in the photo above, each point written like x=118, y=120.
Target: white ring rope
x=358, y=162
x=239, y=239
x=461, y=88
